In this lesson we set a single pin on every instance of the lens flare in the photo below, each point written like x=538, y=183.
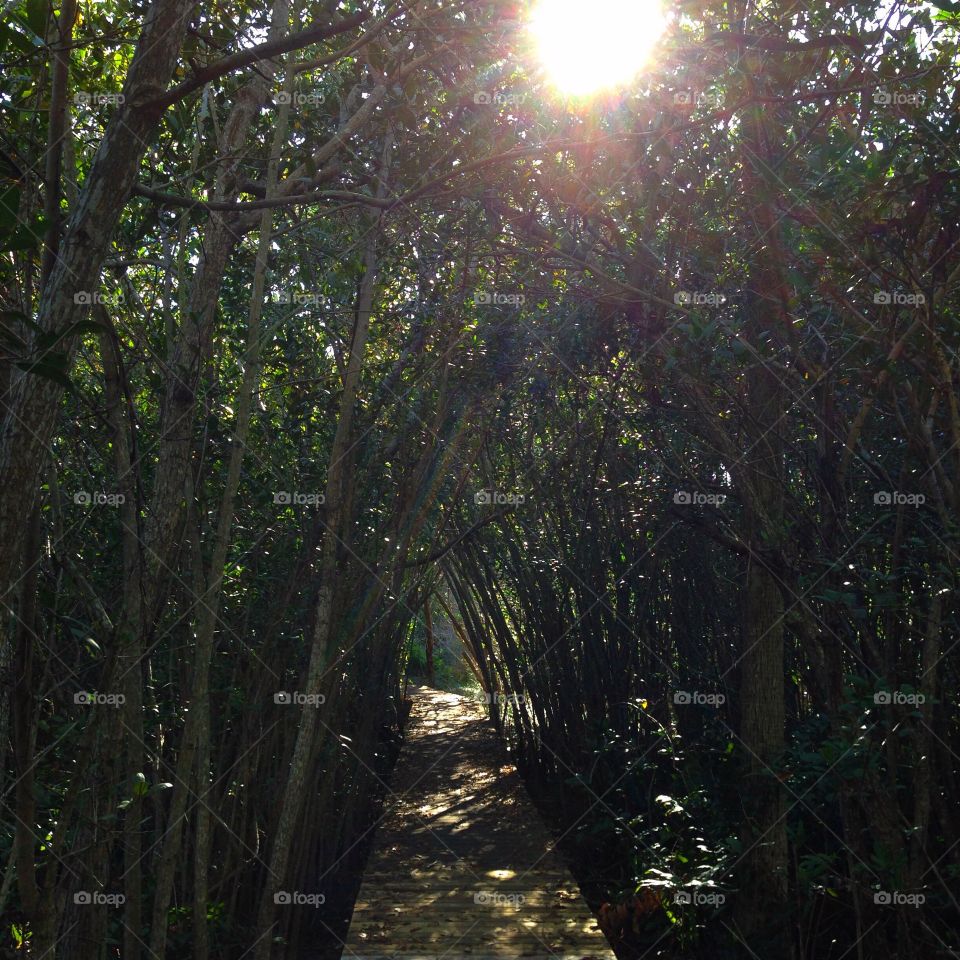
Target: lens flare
x=590, y=47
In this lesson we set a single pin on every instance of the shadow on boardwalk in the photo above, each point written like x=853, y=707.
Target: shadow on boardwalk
x=462, y=865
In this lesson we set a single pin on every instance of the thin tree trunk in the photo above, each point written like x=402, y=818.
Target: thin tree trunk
x=428, y=622
x=175, y=467
x=128, y=639
x=760, y=471
x=56, y=134
x=292, y=798
x=29, y=423
x=210, y=607
x=24, y=715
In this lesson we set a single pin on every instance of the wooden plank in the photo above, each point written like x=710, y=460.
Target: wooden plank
x=462, y=865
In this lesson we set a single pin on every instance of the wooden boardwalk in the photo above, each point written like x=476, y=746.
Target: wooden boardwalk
x=462, y=866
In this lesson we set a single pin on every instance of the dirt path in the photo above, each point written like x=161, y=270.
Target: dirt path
x=462, y=865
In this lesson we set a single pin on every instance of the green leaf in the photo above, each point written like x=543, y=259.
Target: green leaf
x=37, y=16
x=9, y=209
x=52, y=366
x=26, y=237
x=140, y=786
x=7, y=35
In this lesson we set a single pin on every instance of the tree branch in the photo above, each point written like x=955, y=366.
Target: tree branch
x=778, y=45
x=262, y=51
x=443, y=551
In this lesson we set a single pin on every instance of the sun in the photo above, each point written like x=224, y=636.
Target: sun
x=587, y=46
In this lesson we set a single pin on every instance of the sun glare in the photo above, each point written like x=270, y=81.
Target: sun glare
x=587, y=47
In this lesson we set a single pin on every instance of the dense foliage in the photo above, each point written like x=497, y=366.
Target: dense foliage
x=319, y=315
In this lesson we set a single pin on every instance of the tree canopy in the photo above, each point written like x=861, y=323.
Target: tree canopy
x=321, y=316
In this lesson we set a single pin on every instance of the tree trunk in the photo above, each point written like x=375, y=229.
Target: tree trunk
x=28, y=426
x=174, y=470
x=428, y=623
x=760, y=473
x=292, y=799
